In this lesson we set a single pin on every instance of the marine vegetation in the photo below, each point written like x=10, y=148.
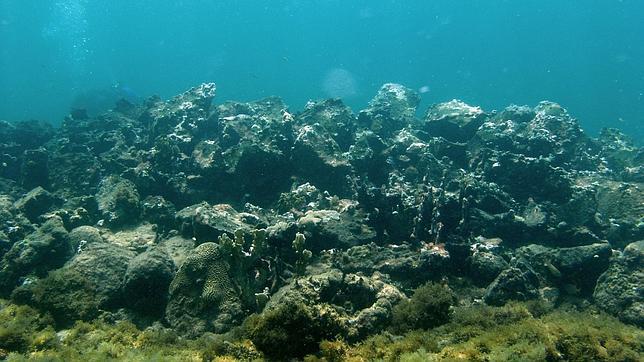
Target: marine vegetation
x=476, y=333
x=187, y=230
x=428, y=307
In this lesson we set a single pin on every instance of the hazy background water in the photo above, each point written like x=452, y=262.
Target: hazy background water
x=587, y=55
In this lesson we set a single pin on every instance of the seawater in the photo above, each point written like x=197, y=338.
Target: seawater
x=586, y=55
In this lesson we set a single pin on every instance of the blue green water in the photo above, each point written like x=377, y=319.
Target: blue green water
x=586, y=55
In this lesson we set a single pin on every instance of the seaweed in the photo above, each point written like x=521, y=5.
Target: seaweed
x=427, y=308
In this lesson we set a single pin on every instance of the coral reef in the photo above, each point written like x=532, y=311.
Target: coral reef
x=183, y=229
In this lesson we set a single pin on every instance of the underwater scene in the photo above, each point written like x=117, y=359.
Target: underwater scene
x=321, y=180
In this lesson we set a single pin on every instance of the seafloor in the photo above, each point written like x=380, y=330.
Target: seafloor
x=182, y=230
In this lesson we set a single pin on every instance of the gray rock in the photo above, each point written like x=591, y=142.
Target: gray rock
x=620, y=290
x=178, y=248
x=546, y=131
x=329, y=229
x=146, y=282
x=159, y=211
x=620, y=208
x=582, y=265
x=317, y=157
x=334, y=116
x=21, y=152
x=14, y=224
x=484, y=267
x=85, y=286
x=248, y=156
x=512, y=284
x=393, y=108
x=574, y=270
x=104, y=265
x=45, y=249
x=206, y=223
x=169, y=118
x=453, y=120
x=82, y=236
x=118, y=201
x=621, y=155
x=405, y=265
x=35, y=203
x=34, y=170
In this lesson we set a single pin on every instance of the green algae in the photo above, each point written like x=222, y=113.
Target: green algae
x=510, y=333
x=515, y=332
x=428, y=307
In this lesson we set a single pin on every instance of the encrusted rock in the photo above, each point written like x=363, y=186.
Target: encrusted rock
x=35, y=203
x=118, y=201
x=392, y=109
x=41, y=251
x=329, y=229
x=318, y=158
x=178, y=248
x=620, y=290
x=334, y=116
x=405, y=265
x=453, y=120
x=206, y=223
x=484, y=267
x=83, y=236
x=620, y=208
x=574, y=270
x=183, y=114
x=87, y=284
x=514, y=283
x=146, y=282
x=359, y=304
x=159, y=211
x=34, y=170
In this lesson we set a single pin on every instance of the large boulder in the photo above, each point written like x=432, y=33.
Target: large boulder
x=182, y=116
x=620, y=290
x=393, y=108
x=484, y=266
x=85, y=286
x=146, y=282
x=15, y=226
x=620, y=209
x=35, y=203
x=248, y=157
x=519, y=282
x=317, y=157
x=34, y=170
x=453, y=120
x=22, y=157
x=404, y=264
x=118, y=201
x=205, y=222
x=41, y=251
x=329, y=229
x=574, y=270
x=334, y=116
x=83, y=236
